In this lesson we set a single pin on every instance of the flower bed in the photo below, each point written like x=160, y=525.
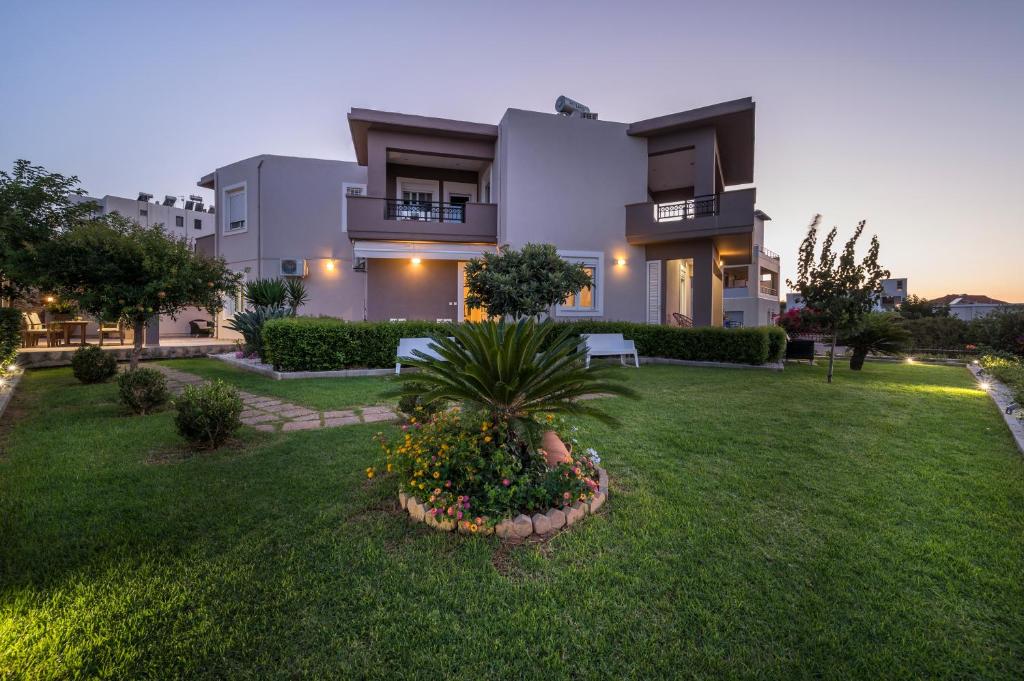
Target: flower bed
x=461, y=471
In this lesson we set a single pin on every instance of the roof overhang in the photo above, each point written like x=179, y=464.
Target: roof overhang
x=361, y=121
x=734, y=127
x=423, y=250
x=206, y=181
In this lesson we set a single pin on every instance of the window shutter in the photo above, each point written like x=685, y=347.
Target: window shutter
x=654, y=292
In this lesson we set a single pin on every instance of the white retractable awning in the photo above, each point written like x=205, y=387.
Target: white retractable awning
x=425, y=251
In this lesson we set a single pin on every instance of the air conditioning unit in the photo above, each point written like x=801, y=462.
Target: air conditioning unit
x=293, y=267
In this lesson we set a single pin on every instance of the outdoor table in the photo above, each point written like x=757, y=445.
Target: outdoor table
x=68, y=325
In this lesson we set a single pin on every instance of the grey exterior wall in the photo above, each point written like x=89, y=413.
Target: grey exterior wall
x=156, y=213
x=294, y=210
x=401, y=290
x=567, y=181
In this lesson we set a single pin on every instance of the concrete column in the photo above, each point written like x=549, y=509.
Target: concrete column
x=377, y=166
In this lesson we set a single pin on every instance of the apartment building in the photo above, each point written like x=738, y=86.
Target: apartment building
x=894, y=292
x=190, y=220
x=660, y=212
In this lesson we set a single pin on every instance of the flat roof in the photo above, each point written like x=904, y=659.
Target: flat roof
x=733, y=122
x=360, y=121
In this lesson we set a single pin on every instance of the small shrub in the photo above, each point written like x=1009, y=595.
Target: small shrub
x=413, y=406
x=209, y=414
x=142, y=390
x=91, y=365
x=1006, y=368
x=10, y=335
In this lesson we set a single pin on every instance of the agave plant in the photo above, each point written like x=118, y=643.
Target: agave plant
x=250, y=323
x=266, y=293
x=511, y=372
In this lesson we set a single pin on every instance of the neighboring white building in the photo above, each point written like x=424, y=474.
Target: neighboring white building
x=968, y=306
x=189, y=218
x=894, y=292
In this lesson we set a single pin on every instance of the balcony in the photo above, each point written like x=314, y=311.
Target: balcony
x=396, y=220
x=730, y=212
x=768, y=291
x=765, y=252
x=735, y=292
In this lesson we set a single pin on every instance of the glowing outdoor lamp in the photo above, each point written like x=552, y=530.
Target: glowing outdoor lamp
x=416, y=261
x=620, y=262
x=329, y=265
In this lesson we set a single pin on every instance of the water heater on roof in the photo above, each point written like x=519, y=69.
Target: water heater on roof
x=568, y=107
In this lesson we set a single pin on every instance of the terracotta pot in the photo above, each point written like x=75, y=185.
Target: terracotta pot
x=554, y=450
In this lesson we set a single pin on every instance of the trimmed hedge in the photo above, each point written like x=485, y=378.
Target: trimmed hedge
x=10, y=335
x=745, y=345
x=327, y=344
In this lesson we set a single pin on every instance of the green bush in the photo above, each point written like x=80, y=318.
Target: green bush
x=412, y=404
x=142, y=390
x=745, y=345
x=209, y=414
x=1001, y=329
x=10, y=335
x=90, y=364
x=1008, y=370
x=327, y=344
x=936, y=333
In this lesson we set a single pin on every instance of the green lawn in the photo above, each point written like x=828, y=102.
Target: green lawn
x=760, y=525
x=317, y=393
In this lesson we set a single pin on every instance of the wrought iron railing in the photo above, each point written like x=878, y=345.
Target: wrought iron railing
x=698, y=207
x=428, y=211
x=768, y=253
x=769, y=290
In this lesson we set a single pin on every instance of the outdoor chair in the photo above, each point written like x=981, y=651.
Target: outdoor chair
x=56, y=334
x=609, y=345
x=200, y=328
x=115, y=329
x=682, y=320
x=33, y=329
x=407, y=346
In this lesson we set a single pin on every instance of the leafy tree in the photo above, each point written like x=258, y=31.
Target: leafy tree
x=117, y=269
x=937, y=333
x=523, y=283
x=1002, y=329
x=35, y=206
x=834, y=284
x=512, y=372
x=878, y=333
x=916, y=307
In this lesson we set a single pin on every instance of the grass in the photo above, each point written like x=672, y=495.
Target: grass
x=316, y=393
x=760, y=525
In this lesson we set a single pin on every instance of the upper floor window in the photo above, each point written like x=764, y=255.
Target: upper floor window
x=197, y=223
x=899, y=284
x=179, y=220
x=589, y=301
x=235, y=213
x=143, y=212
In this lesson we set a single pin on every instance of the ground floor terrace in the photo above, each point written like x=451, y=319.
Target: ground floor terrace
x=872, y=528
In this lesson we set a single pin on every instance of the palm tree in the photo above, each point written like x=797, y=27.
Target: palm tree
x=512, y=372
x=879, y=334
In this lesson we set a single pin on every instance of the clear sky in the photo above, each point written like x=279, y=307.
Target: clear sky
x=907, y=114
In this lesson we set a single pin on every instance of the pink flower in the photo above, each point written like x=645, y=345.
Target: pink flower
x=459, y=515
x=506, y=482
x=447, y=483
x=451, y=510
x=566, y=495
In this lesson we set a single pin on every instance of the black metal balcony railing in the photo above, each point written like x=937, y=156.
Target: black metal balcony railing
x=698, y=207
x=768, y=253
x=769, y=290
x=429, y=211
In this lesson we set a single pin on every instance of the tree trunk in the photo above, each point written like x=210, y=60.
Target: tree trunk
x=857, y=359
x=138, y=335
x=832, y=356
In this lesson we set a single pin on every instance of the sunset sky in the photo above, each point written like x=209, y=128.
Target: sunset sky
x=907, y=114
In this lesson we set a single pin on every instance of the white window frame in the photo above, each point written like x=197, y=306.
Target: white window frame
x=225, y=225
x=593, y=259
x=344, y=201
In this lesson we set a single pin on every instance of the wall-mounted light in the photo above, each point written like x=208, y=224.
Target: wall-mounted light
x=416, y=261
x=50, y=299
x=620, y=261
x=329, y=265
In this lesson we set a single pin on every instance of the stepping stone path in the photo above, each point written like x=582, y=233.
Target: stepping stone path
x=272, y=415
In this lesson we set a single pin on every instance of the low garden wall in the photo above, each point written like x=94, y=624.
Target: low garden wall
x=327, y=344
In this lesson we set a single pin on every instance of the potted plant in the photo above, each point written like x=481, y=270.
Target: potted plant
x=58, y=310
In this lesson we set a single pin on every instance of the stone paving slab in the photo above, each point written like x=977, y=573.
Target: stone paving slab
x=269, y=414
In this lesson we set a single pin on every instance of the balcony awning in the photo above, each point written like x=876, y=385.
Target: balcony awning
x=425, y=251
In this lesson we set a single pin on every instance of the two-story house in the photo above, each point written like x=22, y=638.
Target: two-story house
x=660, y=212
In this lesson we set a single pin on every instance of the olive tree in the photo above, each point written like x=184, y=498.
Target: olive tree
x=840, y=289
x=117, y=269
x=522, y=283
